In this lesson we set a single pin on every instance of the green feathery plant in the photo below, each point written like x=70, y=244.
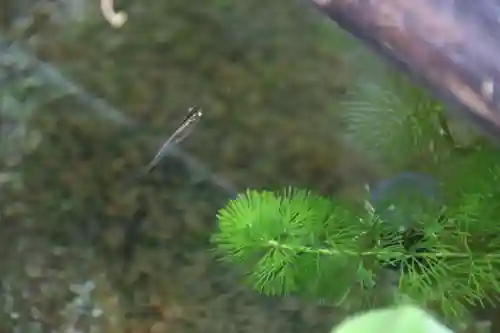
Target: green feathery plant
x=394, y=123
x=296, y=242
x=381, y=123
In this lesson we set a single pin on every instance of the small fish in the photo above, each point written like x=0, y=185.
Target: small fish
x=186, y=127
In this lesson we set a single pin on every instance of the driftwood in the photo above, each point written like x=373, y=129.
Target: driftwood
x=450, y=46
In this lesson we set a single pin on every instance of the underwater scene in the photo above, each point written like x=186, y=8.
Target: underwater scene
x=219, y=166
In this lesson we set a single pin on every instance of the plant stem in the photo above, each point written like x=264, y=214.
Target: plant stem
x=325, y=251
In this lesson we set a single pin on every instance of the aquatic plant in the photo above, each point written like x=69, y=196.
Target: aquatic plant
x=295, y=242
x=439, y=231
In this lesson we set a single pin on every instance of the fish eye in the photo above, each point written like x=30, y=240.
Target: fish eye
x=195, y=110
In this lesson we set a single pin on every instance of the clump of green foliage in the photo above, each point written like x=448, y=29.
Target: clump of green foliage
x=296, y=242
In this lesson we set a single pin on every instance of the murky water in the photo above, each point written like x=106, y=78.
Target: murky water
x=97, y=251
x=90, y=248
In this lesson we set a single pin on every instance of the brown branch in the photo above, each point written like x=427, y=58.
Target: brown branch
x=451, y=46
